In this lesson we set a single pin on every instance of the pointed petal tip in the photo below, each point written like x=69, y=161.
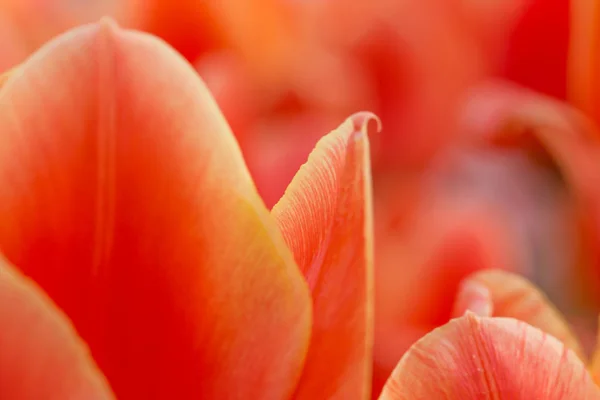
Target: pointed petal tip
x=511, y=295
x=473, y=298
x=325, y=217
x=363, y=122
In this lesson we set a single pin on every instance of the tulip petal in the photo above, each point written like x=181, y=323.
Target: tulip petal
x=126, y=198
x=41, y=356
x=489, y=358
x=325, y=217
x=511, y=295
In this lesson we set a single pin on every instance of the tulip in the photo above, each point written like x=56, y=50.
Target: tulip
x=140, y=261
x=510, y=342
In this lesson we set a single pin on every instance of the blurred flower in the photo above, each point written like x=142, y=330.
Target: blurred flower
x=561, y=140
x=135, y=229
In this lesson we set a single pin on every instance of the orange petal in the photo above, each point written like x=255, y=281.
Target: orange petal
x=325, y=217
x=513, y=296
x=125, y=196
x=489, y=358
x=41, y=356
x=583, y=79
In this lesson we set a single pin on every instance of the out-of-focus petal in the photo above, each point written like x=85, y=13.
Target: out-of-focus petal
x=125, y=197
x=538, y=47
x=584, y=57
x=419, y=58
x=489, y=358
x=184, y=24
x=233, y=88
x=418, y=273
x=274, y=158
x=325, y=217
x=513, y=296
x=260, y=32
x=556, y=134
x=41, y=356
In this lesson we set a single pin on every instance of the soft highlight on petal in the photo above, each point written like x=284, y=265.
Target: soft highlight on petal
x=515, y=297
x=126, y=198
x=325, y=217
x=41, y=356
x=489, y=358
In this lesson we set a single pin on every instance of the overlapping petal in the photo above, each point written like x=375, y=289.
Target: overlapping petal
x=125, y=197
x=325, y=217
x=511, y=295
x=41, y=356
x=489, y=358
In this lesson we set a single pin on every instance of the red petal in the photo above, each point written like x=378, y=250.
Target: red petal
x=325, y=217
x=538, y=47
x=125, y=197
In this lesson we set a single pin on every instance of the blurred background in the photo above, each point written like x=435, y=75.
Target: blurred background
x=488, y=156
